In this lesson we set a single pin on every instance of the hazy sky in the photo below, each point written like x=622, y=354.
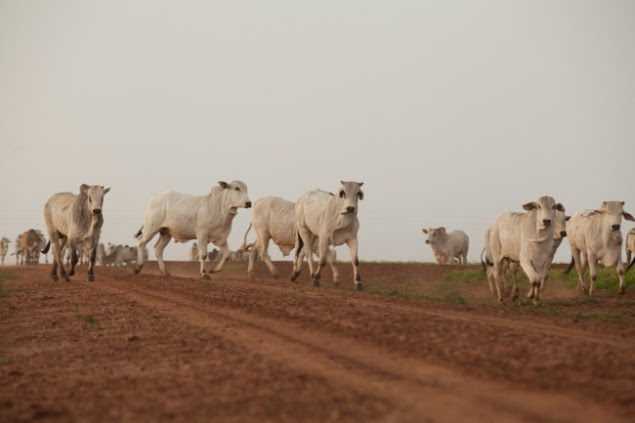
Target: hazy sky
x=451, y=112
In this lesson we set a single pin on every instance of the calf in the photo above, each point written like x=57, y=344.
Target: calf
x=447, y=246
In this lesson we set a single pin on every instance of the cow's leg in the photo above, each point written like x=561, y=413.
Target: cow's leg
x=498, y=276
x=145, y=237
x=579, y=269
x=513, y=272
x=330, y=258
x=162, y=242
x=255, y=248
x=593, y=271
x=263, y=247
x=202, y=254
x=353, y=246
x=619, y=267
x=224, y=249
x=91, y=262
x=323, y=252
x=72, y=248
x=58, y=248
x=303, y=249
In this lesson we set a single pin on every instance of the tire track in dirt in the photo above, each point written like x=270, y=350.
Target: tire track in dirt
x=418, y=390
x=507, y=321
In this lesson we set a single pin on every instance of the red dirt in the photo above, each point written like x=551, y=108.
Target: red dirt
x=183, y=349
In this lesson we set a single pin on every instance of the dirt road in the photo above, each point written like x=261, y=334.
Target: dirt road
x=147, y=348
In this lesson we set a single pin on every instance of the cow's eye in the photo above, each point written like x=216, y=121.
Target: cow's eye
x=237, y=189
x=342, y=194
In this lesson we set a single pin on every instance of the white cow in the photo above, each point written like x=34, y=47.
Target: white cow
x=447, y=246
x=184, y=217
x=630, y=248
x=559, y=233
x=76, y=219
x=526, y=238
x=273, y=218
x=331, y=218
x=4, y=248
x=193, y=252
x=594, y=235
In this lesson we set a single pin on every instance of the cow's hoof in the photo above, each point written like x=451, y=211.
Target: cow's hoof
x=359, y=286
x=536, y=302
x=137, y=270
x=205, y=276
x=71, y=273
x=294, y=276
x=54, y=278
x=90, y=278
x=167, y=275
x=316, y=282
x=276, y=276
x=66, y=278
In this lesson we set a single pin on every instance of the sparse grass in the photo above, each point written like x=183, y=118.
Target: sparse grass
x=468, y=275
x=4, y=275
x=4, y=361
x=235, y=265
x=607, y=279
x=618, y=316
x=83, y=317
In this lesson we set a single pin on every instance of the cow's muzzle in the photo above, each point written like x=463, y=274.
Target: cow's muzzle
x=248, y=204
x=96, y=212
x=546, y=222
x=563, y=234
x=616, y=227
x=427, y=241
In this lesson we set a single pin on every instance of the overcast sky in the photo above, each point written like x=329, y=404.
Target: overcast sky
x=450, y=112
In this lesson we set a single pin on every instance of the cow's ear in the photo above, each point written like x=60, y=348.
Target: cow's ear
x=530, y=206
x=360, y=194
x=566, y=219
x=223, y=184
x=360, y=183
x=441, y=229
x=83, y=188
x=425, y=231
x=106, y=190
x=560, y=207
x=628, y=216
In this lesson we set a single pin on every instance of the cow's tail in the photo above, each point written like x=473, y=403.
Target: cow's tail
x=485, y=262
x=569, y=267
x=630, y=265
x=246, y=247
x=299, y=243
x=138, y=234
x=46, y=249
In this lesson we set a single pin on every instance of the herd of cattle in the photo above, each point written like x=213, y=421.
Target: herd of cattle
x=318, y=221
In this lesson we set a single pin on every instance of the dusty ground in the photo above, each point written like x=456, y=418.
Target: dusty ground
x=148, y=348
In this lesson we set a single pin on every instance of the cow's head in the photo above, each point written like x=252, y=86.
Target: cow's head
x=95, y=197
x=613, y=212
x=545, y=208
x=560, y=225
x=433, y=234
x=235, y=194
x=348, y=196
